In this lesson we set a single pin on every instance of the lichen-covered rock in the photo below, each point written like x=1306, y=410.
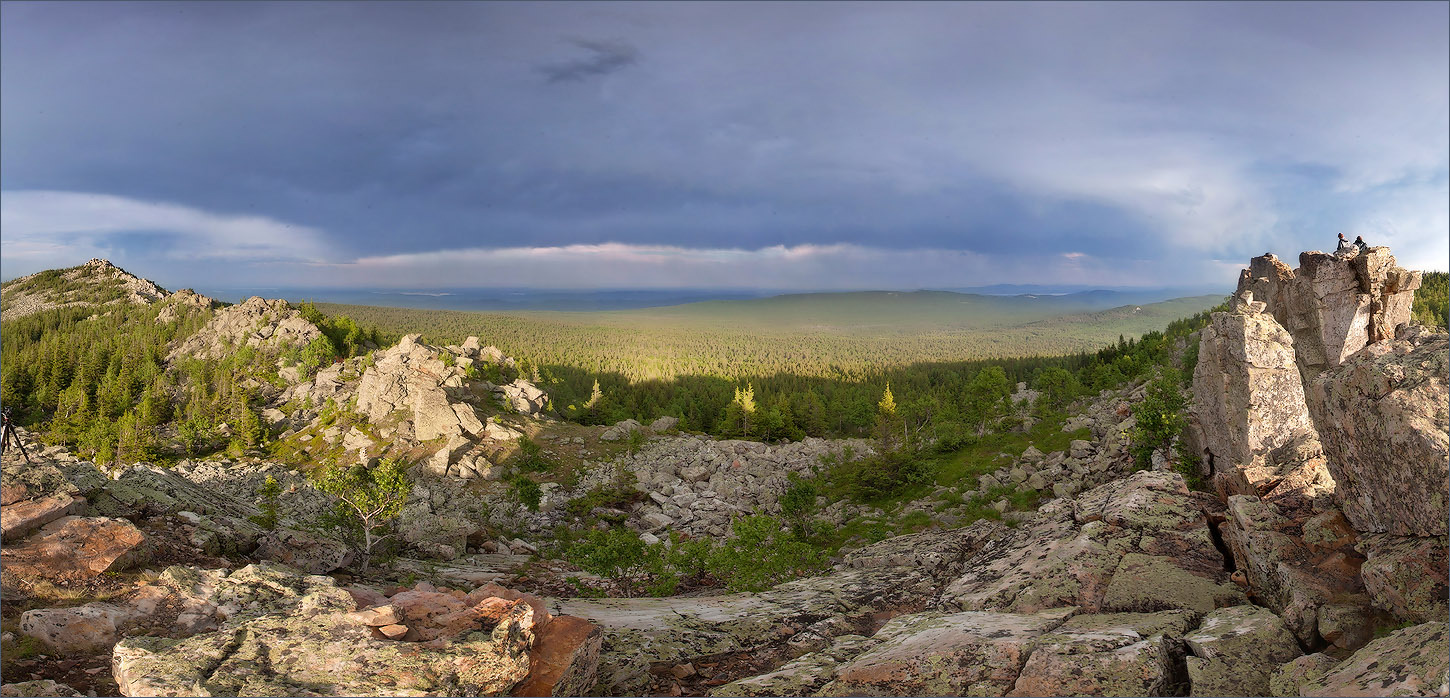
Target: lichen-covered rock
x=325, y=653
x=1407, y=576
x=37, y=689
x=1386, y=430
x=78, y=547
x=564, y=660
x=309, y=552
x=956, y=654
x=1120, y=654
x=254, y=322
x=1291, y=579
x=1409, y=662
x=89, y=628
x=804, y=675
x=1140, y=544
x=1236, y=649
x=1248, y=397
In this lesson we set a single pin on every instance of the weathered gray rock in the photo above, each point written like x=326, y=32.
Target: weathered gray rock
x=37, y=689
x=1235, y=650
x=89, y=628
x=1248, y=398
x=410, y=379
x=309, y=552
x=620, y=430
x=1112, y=654
x=254, y=322
x=1386, y=433
x=639, y=633
x=1407, y=576
x=1139, y=545
x=662, y=424
x=1409, y=662
x=955, y=654
x=524, y=397
x=299, y=653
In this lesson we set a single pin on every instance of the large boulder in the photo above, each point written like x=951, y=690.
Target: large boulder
x=1409, y=662
x=1111, y=654
x=1236, y=649
x=89, y=628
x=78, y=547
x=20, y=519
x=1386, y=433
x=1248, y=397
x=970, y=653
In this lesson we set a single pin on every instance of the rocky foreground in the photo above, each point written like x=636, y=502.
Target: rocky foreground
x=1316, y=565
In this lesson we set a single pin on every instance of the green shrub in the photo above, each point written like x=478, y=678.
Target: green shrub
x=527, y=491
x=761, y=555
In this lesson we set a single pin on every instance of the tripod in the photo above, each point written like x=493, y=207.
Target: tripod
x=7, y=435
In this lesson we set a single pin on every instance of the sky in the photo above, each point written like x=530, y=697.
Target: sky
x=762, y=145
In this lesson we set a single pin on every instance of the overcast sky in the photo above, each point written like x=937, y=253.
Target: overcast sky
x=772, y=145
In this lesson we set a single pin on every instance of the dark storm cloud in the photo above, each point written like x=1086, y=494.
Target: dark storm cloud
x=607, y=57
x=1169, y=142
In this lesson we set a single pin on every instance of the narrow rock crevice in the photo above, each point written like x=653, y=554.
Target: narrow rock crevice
x=1216, y=536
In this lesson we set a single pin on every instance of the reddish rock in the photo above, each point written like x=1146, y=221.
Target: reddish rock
x=376, y=617
x=541, y=611
x=78, y=546
x=19, y=520
x=394, y=631
x=564, y=660
x=90, y=628
x=10, y=494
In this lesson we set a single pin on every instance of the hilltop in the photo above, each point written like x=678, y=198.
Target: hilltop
x=97, y=282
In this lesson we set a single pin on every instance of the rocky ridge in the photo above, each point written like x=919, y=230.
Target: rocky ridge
x=95, y=281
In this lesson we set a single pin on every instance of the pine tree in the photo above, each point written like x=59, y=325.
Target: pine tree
x=745, y=399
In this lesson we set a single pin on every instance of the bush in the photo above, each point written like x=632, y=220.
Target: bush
x=528, y=492
x=619, y=554
x=884, y=475
x=531, y=458
x=798, y=503
x=761, y=555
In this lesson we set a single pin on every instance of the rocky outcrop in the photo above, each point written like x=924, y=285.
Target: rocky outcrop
x=95, y=282
x=255, y=322
x=292, y=638
x=1248, y=398
x=893, y=577
x=1408, y=662
x=1139, y=545
x=1384, y=424
x=1333, y=304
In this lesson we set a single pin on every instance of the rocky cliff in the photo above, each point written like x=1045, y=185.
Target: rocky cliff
x=95, y=282
x=1324, y=426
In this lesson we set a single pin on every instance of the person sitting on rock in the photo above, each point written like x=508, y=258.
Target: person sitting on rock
x=1344, y=244
x=1359, y=242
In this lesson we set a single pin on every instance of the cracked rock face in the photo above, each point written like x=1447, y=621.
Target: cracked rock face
x=1139, y=545
x=1248, y=397
x=1386, y=432
x=1333, y=304
x=287, y=634
x=1408, y=662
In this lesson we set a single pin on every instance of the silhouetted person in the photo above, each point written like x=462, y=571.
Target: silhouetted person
x=1359, y=242
x=1344, y=244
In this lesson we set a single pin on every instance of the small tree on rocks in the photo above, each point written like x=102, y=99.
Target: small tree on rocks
x=369, y=498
